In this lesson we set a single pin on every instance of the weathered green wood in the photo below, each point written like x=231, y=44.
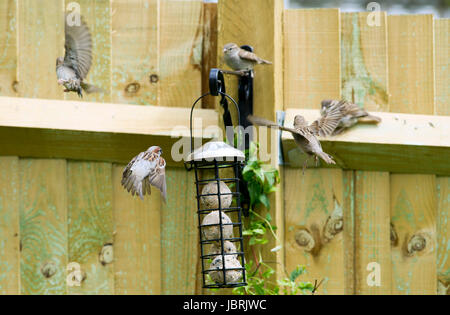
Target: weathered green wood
x=9, y=226
x=135, y=71
x=310, y=200
x=443, y=231
x=137, y=242
x=179, y=234
x=43, y=226
x=90, y=223
x=364, y=61
x=349, y=231
x=8, y=47
x=40, y=42
x=97, y=14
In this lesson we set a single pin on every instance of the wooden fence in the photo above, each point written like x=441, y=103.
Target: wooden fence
x=60, y=206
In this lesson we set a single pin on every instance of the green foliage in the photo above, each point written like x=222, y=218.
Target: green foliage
x=261, y=178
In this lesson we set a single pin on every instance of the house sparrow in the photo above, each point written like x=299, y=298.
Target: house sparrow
x=146, y=169
x=240, y=59
x=305, y=135
x=351, y=114
x=74, y=67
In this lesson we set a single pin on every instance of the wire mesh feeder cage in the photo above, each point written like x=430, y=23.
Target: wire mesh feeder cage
x=217, y=167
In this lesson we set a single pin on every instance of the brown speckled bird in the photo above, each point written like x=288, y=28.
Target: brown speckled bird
x=351, y=114
x=146, y=169
x=74, y=67
x=240, y=59
x=305, y=136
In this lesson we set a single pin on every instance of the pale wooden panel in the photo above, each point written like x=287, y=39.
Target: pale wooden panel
x=137, y=242
x=364, y=61
x=8, y=47
x=180, y=52
x=413, y=212
x=349, y=231
x=372, y=231
x=43, y=226
x=259, y=24
x=443, y=230
x=90, y=224
x=411, y=64
x=442, y=68
x=310, y=199
x=9, y=226
x=179, y=234
x=312, y=57
x=135, y=46
x=97, y=14
x=40, y=42
x=209, y=49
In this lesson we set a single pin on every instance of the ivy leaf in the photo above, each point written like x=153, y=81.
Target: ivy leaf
x=265, y=201
x=296, y=273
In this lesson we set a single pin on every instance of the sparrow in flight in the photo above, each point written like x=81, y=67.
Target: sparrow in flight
x=240, y=59
x=145, y=170
x=305, y=136
x=74, y=67
x=351, y=114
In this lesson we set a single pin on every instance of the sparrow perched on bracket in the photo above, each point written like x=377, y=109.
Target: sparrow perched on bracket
x=240, y=59
x=305, y=136
x=74, y=67
x=351, y=114
x=146, y=169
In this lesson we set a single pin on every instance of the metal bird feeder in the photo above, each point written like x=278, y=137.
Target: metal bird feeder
x=218, y=167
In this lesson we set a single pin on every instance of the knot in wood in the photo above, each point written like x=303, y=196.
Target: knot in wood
x=394, y=236
x=132, y=88
x=48, y=269
x=417, y=243
x=305, y=239
x=106, y=255
x=154, y=78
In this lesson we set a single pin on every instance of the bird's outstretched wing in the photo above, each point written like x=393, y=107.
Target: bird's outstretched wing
x=157, y=178
x=247, y=55
x=327, y=123
x=78, y=47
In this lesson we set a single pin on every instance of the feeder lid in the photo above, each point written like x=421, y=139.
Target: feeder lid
x=217, y=150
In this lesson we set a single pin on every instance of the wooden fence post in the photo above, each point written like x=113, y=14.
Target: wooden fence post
x=259, y=23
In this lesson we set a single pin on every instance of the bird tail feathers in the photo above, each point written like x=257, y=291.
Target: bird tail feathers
x=90, y=88
x=370, y=119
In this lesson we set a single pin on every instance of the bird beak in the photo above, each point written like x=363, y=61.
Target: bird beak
x=224, y=50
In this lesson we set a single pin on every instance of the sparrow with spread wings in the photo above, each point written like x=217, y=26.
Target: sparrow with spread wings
x=305, y=136
x=240, y=59
x=351, y=114
x=74, y=67
x=146, y=169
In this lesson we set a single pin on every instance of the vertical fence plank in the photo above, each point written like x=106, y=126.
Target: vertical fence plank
x=413, y=197
x=349, y=231
x=40, y=42
x=179, y=234
x=90, y=224
x=8, y=47
x=442, y=68
x=413, y=211
x=180, y=52
x=364, y=81
x=209, y=50
x=43, y=226
x=443, y=233
x=312, y=57
x=310, y=200
x=9, y=226
x=364, y=61
x=97, y=14
x=372, y=232
x=135, y=71
x=137, y=243
x=411, y=64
